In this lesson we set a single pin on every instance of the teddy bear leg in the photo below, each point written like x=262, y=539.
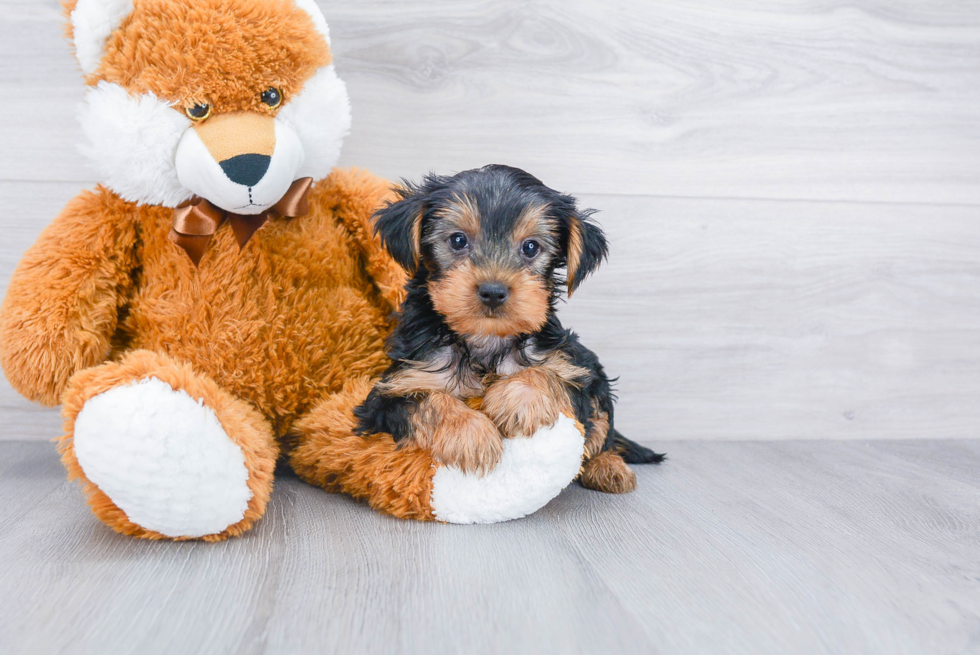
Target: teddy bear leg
x=392, y=479
x=408, y=482
x=164, y=452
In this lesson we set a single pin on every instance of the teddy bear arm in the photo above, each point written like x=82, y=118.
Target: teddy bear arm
x=355, y=194
x=63, y=301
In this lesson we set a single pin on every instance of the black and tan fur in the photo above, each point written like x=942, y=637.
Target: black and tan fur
x=478, y=354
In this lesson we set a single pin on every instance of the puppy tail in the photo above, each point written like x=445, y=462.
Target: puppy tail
x=632, y=452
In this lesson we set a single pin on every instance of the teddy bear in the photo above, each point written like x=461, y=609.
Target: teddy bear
x=220, y=301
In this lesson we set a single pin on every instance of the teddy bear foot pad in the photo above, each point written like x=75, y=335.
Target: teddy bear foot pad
x=531, y=472
x=162, y=458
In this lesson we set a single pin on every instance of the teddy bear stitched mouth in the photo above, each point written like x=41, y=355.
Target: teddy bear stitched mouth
x=246, y=169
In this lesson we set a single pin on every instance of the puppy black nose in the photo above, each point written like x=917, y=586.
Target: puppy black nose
x=246, y=170
x=493, y=294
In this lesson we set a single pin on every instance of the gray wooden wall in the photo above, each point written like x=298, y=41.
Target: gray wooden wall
x=791, y=188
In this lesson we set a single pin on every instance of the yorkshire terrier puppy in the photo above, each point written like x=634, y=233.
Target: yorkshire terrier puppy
x=478, y=354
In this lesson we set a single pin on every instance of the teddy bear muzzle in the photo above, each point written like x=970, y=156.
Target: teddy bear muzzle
x=242, y=162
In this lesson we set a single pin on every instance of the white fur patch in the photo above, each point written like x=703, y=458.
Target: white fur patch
x=92, y=22
x=530, y=473
x=201, y=174
x=132, y=142
x=320, y=114
x=163, y=458
x=310, y=7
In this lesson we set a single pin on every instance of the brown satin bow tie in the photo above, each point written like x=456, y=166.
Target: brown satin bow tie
x=196, y=220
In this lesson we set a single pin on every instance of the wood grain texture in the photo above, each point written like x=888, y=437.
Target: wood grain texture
x=725, y=318
x=734, y=319
x=815, y=99
x=755, y=548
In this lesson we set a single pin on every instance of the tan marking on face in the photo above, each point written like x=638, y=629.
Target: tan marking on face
x=456, y=435
x=530, y=223
x=454, y=295
x=608, y=472
x=238, y=133
x=522, y=403
x=574, y=253
x=462, y=215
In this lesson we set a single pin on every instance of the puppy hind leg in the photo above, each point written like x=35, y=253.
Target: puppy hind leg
x=607, y=472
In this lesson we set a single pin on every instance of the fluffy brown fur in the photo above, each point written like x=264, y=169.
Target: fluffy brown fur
x=280, y=325
x=525, y=401
x=270, y=336
x=155, y=51
x=64, y=299
x=607, y=472
x=397, y=481
x=479, y=323
x=453, y=297
x=242, y=423
x=596, y=435
x=456, y=434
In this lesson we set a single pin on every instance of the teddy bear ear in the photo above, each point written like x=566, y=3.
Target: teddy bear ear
x=310, y=7
x=92, y=22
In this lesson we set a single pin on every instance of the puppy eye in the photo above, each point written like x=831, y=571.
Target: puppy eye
x=272, y=97
x=198, y=112
x=458, y=241
x=530, y=248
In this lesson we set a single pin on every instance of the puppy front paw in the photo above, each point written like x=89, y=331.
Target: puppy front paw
x=459, y=436
x=607, y=472
x=524, y=402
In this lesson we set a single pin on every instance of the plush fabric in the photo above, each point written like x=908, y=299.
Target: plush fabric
x=181, y=383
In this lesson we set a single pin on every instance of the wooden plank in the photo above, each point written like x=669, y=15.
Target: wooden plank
x=814, y=547
x=793, y=547
x=731, y=319
x=786, y=320
x=873, y=101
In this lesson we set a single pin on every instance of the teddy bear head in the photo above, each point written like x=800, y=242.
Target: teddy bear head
x=227, y=100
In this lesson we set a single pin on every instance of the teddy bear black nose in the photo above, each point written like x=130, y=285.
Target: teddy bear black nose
x=493, y=294
x=246, y=170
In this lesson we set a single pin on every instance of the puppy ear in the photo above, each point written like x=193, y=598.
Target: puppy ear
x=399, y=225
x=585, y=248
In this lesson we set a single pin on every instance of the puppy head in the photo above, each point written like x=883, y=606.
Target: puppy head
x=229, y=100
x=490, y=241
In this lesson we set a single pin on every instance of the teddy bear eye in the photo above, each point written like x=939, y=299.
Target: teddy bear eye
x=198, y=112
x=272, y=97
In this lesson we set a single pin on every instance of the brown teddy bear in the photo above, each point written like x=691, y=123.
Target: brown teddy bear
x=220, y=300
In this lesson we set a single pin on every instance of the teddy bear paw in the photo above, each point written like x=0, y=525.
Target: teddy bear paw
x=163, y=458
x=530, y=473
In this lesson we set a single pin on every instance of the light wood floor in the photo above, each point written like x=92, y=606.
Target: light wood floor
x=792, y=191
x=730, y=547
x=792, y=304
